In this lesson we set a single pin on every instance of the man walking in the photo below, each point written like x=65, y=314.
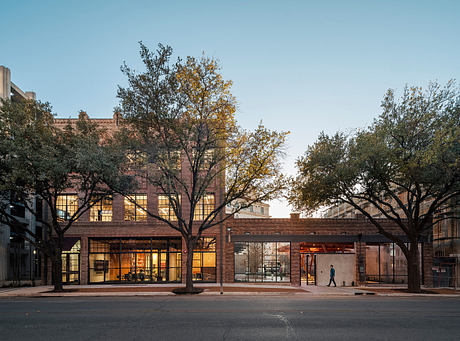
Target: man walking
x=332, y=274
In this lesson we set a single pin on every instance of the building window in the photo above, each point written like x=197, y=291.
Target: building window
x=165, y=209
x=135, y=207
x=204, y=207
x=66, y=206
x=204, y=260
x=137, y=160
x=102, y=209
x=262, y=262
x=130, y=260
x=172, y=160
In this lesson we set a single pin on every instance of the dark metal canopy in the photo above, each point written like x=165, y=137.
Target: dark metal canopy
x=316, y=238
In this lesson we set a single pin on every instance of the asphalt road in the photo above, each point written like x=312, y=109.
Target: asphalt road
x=230, y=318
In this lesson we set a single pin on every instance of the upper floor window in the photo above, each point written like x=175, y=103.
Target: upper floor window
x=165, y=209
x=66, y=206
x=135, y=207
x=204, y=207
x=172, y=160
x=102, y=209
x=137, y=159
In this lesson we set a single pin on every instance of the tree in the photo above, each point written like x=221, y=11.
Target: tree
x=406, y=165
x=38, y=160
x=182, y=133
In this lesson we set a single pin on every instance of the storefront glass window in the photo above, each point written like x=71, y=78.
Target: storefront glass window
x=386, y=263
x=262, y=262
x=204, y=260
x=135, y=260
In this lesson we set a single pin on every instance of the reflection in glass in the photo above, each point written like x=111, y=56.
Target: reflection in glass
x=262, y=262
x=386, y=263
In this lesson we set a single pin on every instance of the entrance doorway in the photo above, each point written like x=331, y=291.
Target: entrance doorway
x=71, y=268
x=308, y=268
x=71, y=261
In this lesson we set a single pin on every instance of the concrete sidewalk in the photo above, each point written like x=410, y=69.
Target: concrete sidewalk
x=232, y=289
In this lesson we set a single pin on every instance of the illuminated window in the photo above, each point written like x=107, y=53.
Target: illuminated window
x=102, y=209
x=204, y=207
x=137, y=159
x=207, y=160
x=165, y=209
x=204, y=260
x=66, y=206
x=135, y=207
x=173, y=160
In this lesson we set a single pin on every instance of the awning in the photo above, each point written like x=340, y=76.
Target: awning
x=69, y=242
x=316, y=238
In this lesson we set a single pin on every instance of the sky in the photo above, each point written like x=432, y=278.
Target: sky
x=298, y=66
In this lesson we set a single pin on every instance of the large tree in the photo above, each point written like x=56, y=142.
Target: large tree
x=405, y=167
x=182, y=135
x=41, y=162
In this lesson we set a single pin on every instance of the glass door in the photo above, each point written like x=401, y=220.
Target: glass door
x=70, y=268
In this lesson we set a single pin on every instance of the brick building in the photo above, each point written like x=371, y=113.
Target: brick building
x=117, y=243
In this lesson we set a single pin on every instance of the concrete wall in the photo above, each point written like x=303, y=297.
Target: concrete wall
x=344, y=265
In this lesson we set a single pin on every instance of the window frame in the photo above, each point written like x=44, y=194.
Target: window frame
x=99, y=205
x=202, y=209
x=67, y=214
x=171, y=214
x=135, y=205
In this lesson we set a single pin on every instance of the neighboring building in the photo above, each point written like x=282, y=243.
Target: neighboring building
x=256, y=210
x=9, y=90
x=117, y=243
x=19, y=261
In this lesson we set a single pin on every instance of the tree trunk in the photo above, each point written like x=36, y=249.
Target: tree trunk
x=413, y=269
x=57, y=264
x=57, y=271
x=189, y=268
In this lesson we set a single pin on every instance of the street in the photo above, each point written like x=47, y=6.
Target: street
x=230, y=318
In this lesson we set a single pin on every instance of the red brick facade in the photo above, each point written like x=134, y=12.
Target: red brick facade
x=293, y=230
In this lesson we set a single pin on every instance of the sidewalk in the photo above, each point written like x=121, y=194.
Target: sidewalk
x=240, y=289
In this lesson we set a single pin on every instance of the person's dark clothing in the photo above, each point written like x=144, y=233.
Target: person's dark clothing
x=332, y=275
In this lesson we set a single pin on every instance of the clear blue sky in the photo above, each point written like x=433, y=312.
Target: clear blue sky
x=302, y=66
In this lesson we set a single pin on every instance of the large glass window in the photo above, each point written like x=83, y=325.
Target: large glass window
x=135, y=207
x=165, y=209
x=262, y=262
x=66, y=206
x=204, y=260
x=101, y=210
x=135, y=260
x=204, y=207
x=386, y=263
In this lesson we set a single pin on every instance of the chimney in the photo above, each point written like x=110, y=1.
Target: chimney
x=295, y=216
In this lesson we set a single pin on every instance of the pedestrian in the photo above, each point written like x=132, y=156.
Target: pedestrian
x=332, y=275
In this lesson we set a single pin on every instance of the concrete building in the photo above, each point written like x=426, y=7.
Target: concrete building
x=256, y=210
x=9, y=90
x=19, y=261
